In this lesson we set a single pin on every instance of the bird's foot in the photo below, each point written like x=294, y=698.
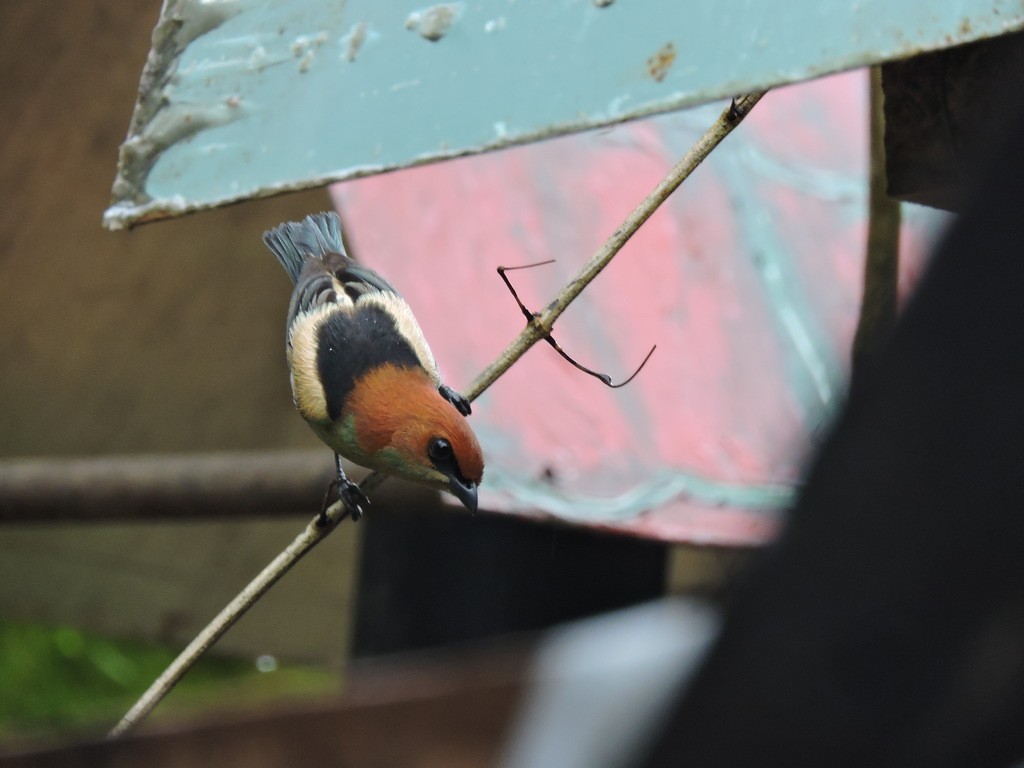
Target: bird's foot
x=459, y=401
x=353, y=498
x=349, y=494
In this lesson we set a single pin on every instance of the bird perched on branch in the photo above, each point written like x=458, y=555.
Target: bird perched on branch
x=362, y=374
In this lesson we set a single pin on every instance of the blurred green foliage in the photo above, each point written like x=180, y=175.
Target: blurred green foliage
x=63, y=680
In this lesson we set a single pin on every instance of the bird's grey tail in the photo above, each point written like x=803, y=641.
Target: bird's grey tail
x=295, y=241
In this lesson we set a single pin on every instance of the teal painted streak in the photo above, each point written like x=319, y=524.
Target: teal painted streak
x=823, y=184
x=826, y=184
x=811, y=367
x=661, y=489
x=507, y=71
x=813, y=370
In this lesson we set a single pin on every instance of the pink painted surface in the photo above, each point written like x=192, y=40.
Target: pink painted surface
x=748, y=280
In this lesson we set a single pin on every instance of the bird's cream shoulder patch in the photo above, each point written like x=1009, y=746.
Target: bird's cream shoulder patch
x=407, y=326
x=307, y=391
x=340, y=296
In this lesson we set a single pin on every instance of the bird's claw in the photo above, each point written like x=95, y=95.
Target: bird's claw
x=350, y=494
x=353, y=498
x=459, y=401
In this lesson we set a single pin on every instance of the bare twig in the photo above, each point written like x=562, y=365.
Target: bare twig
x=881, y=265
x=539, y=326
x=604, y=378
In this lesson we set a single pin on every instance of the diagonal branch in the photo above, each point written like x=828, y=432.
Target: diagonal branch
x=232, y=612
x=537, y=328
x=542, y=324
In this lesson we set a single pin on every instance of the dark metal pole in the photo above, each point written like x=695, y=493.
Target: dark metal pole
x=172, y=486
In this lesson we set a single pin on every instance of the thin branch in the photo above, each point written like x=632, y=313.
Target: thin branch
x=512, y=289
x=542, y=324
x=538, y=327
x=278, y=567
x=604, y=378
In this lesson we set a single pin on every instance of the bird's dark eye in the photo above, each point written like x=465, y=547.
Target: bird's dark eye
x=440, y=450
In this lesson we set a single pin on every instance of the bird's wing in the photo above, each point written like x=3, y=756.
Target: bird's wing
x=358, y=280
x=343, y=319
x=313, y=254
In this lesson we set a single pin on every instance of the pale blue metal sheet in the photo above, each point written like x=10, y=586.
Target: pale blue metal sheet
x=243, y=99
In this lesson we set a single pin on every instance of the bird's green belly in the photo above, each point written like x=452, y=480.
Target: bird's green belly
x=341, y=437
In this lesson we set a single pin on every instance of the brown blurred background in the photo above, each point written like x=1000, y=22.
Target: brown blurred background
x=165, y=339
x=159, y=351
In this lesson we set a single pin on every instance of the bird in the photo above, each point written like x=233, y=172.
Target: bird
x=362, y=374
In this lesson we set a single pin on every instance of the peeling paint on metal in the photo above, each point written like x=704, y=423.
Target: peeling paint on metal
x=194, y=18
x=661, y=62
x=434, y=22
x=495, y=25
x=539, y=68
x=305, y=49
x=353, y=41
x=178, y=121
x=182, y=22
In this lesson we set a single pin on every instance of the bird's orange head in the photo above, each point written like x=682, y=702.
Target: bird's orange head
x=404, y=426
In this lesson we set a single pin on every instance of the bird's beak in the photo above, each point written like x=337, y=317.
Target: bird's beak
x=464, y=492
